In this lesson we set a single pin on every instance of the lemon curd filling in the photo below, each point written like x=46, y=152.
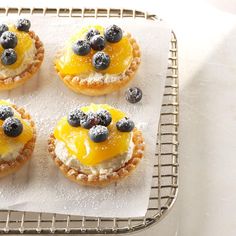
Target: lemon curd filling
x=9, y=146
x=121, y=55
x=25, y=50
x=89, y=153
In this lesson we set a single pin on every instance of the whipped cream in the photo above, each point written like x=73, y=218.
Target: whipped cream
x=103, y=168
x=28, y=59
x=99, y=77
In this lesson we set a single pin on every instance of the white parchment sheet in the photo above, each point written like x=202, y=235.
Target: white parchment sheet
x=40, y=186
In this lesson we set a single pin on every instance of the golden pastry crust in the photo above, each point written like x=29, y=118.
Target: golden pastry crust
x=101, y=179
x=9, y=167
x=97, y=88
x=17, y=80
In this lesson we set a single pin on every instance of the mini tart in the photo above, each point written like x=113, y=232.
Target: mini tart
x=100, y=87
x=25, y=154
x=101, y=179
x=11, y=82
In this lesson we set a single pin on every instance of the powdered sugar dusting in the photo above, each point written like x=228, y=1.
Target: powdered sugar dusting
x=40, y=186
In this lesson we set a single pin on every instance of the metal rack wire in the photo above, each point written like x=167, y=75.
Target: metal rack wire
x=166, y=167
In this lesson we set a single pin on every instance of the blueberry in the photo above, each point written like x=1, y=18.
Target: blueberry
x=3, y=28
x=8, y=56
x=104, y=117
x=23, y=25
x=98, y=133
x=125, y=125
x=81, y=48
x=101, y=60
x=113, y=34
x=5, y=112
x=89, y=120
x=12, y=127
x=75, y=117
x=98, y=43
x=91, y=33
x=133, y=95
x=8, y=40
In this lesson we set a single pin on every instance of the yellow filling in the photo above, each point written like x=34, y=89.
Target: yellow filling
x=7, y=144
x=120, y=53
x=88, y=152
x=24, y=44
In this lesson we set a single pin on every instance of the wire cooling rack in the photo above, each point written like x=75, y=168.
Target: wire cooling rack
x=166, y=168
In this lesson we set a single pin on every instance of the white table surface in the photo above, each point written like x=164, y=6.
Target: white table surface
x=206, y=32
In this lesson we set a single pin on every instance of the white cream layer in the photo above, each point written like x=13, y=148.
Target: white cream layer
x=28, y=59
x=104, y=167
x=96, y=77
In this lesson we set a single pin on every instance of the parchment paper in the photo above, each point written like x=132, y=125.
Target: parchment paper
x=40, y=186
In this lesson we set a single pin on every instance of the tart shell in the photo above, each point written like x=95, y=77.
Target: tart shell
x=9, y=167
x=17, y=80
x=100, y=88
x=101, y=180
